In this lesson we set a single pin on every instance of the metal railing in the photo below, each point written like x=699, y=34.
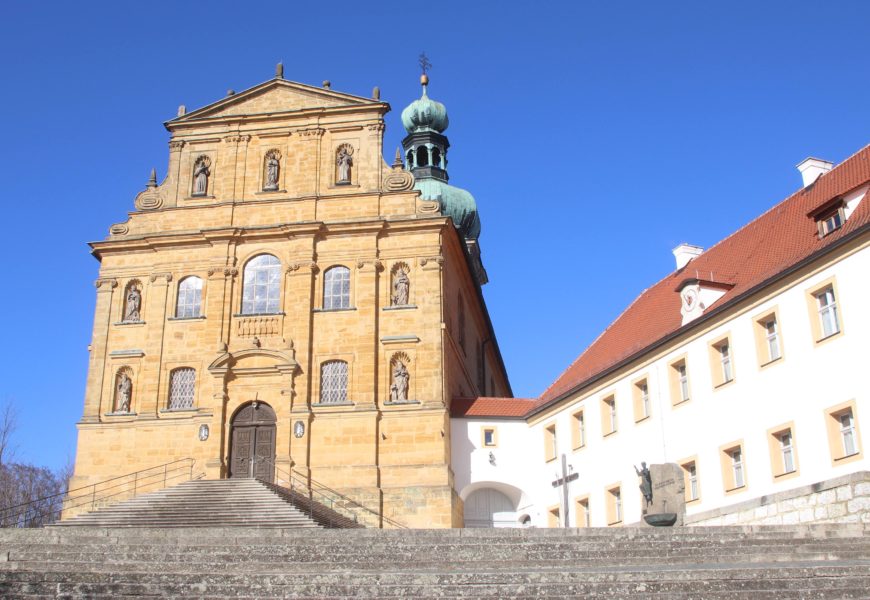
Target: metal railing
x=311, y=497
x=48, y=509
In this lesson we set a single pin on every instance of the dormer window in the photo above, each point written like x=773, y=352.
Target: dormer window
x=830, y=221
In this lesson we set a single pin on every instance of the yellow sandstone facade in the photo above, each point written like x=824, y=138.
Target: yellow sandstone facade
x=263, y=274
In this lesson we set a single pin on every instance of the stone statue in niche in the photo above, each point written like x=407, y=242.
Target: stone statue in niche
x=272, y=168
x=125, y=388
x=134, y=301
x=645, y=483
x=399, y=387
x=401, y=283
x=344, y=162
x=200, y=177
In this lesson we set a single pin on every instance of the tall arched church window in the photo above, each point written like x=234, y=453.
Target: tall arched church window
x=181, y=387
x=261, y=288
x=333, y=382
x=189, y=301
x=336, y=288
x=422, y=156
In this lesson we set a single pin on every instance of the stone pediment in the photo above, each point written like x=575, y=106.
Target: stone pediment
x=274, y=96
x=254, y=361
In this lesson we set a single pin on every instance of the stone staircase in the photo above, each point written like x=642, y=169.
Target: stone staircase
x=817, y=562
x=201, y=503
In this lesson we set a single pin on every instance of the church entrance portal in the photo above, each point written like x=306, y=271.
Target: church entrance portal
x=252, y=442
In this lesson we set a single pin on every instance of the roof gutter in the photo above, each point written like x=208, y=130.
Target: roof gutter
x=703, y=319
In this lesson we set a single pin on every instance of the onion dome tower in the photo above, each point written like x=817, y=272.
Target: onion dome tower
x=425, y=155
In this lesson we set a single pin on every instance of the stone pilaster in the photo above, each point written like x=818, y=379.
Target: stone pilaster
x=99, y=342
x=151, y=375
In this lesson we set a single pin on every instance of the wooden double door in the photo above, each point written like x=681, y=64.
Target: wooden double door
x=252, y=442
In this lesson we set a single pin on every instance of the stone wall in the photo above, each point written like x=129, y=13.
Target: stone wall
x=843, y=499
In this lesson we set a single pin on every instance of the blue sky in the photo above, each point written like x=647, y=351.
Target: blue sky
x=595, y=137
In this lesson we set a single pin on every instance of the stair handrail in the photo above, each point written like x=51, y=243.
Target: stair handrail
x=11, y=516
x=307, y=482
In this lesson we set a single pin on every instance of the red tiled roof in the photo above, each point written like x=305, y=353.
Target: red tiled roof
x=771, y=244
x=491, y=407
x=767, y=246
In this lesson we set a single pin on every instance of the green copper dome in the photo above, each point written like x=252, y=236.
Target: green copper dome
x=425, y=115
x=456, y=203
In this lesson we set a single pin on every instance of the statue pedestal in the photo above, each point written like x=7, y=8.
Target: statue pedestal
x=668, y=496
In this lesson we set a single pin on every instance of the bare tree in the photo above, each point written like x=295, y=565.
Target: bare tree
x=8, y=425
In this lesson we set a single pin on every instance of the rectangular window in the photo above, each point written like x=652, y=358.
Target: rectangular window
x=690, y=472
x=553, y=517
x=830, y=221
x=768, y=339
x=844, y=433
x=583, y=516
x=827, y=308
x=578, y=430
x=679, y=377
x=783, y=455
x=847, y=433
x=721, y=361
x=550, y=447
x=609, y=423
x=641, y=400
x=737, y=466
x=333, y=382
x=733, y=463
x=490, y=440
x=771, y=337
x=614, y=505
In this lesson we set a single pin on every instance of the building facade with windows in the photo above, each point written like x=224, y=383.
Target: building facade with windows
x=285, y=300
x=743, y=366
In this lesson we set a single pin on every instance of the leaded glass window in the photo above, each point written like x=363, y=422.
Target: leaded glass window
x=181, y=386
x=261, y=289
x=189, y=303
x=336, y=288
x=333, y=382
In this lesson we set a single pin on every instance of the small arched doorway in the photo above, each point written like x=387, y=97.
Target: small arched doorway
x=252, y=442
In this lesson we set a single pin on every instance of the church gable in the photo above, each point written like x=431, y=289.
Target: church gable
x=274, y=96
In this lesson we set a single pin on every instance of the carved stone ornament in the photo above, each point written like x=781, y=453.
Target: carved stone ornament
x=298, y=429
x=226, y=271
x=107, y=283
x=203, y=432
x=361, y=263
x=123, y=393
x=201, y=173
x=176, y=145
x=150, y=199
x=306, y=264
x=343, y=163
x=375, y=127
x=167, y=277
x=398, y=180
x=312, y=133
x=119, y=229
x=401, y=285
x=133, y=303
x=237, y=139
x=435, y=260
x=271, y=170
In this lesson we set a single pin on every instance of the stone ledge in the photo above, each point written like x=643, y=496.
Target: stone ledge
x=402, y=307
x=804, y=490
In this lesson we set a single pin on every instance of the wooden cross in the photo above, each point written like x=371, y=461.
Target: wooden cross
x=563, y=481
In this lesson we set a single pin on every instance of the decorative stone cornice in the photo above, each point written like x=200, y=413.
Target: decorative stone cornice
x=237, y=139
x=176, y=145
x=223, y=271
x=375, y=127
x=375, y=263
x=312, y=133
x=106, y=284
x=164, y=277
x=434, y=262
x=305, y=264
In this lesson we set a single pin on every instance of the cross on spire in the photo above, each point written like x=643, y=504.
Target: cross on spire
x=424, y=63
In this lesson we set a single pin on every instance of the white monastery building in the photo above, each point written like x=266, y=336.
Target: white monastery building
x=744, y=367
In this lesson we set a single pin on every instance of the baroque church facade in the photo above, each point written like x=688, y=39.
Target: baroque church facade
x=285, y=301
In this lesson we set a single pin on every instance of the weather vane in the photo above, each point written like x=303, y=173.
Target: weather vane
x=424, y=63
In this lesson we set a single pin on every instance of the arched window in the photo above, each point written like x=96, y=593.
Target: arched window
x=181, y=386
x=410, y=158
x=261, y=289
x=436, y=157
x=333, y=382
x=189, y=301
x=336, y=288
x=422, y=156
